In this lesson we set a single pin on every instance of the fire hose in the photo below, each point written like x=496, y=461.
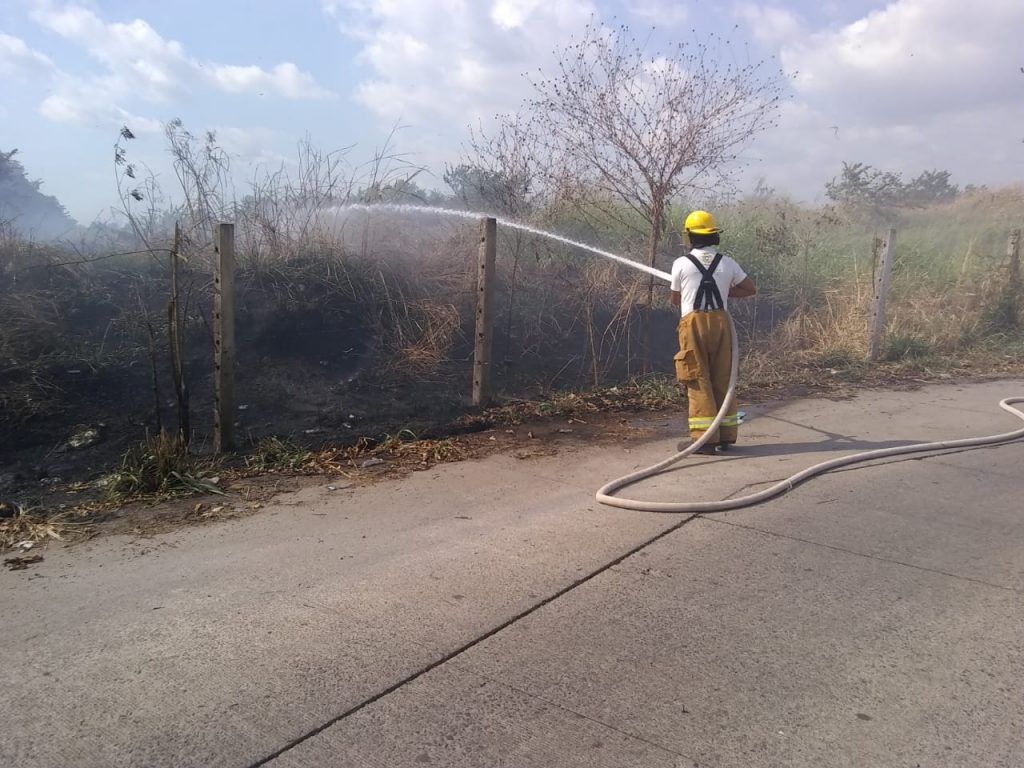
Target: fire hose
x=605, y=493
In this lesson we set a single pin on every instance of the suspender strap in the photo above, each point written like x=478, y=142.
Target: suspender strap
x=708, y=295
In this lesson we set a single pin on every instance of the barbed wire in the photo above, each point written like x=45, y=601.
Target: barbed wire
x=92, y=259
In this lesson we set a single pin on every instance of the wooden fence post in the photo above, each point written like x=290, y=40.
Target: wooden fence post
x=224, y=340
x=883, y=278
x=484, y=314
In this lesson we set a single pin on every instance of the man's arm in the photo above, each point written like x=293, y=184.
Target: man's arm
x=677, y=297
x=742, y=289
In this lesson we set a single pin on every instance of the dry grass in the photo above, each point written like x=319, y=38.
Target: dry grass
x=402, y=446
x=25, y=394
x=649, y=393
x=38, y=527
x=32, y=336
x=32, y=325
x=840, y=323
x=420, y=339
x=607, y=295
x=274, y=455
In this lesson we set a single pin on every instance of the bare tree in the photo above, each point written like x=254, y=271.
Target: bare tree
x=203, y=173
x=501, y=169
x=501, y=172
x=639, y=128
x=203, y=170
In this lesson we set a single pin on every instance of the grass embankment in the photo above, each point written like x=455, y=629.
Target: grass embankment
x=400, y=301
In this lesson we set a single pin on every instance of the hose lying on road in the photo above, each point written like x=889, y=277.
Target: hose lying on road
x=604, y=494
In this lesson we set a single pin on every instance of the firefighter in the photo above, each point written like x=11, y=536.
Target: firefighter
x=703, y=281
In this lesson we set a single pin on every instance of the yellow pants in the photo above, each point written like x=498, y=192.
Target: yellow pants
x=703, y=364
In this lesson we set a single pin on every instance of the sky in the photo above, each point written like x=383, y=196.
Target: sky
x=903, y=85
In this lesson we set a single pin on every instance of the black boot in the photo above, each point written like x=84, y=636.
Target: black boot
x=708, y=449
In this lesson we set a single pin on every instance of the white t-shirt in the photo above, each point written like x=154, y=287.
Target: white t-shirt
x=686, y=277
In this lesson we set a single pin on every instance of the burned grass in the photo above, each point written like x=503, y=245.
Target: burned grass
x=275, y=466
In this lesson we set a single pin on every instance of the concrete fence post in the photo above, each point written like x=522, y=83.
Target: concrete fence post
x=1013, y=253
x=883, y=278
x=484, y=312
x=224, y=340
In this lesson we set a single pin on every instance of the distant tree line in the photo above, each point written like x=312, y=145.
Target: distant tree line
x=24, y=208
x=862, y=186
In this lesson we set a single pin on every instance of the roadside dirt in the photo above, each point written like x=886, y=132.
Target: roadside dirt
x=68, y=512
x=75, y=512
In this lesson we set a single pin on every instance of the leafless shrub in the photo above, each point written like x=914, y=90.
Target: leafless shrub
x=607, y=299
x=293, y=209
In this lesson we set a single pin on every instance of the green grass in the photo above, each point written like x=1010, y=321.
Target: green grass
x=277, y=453
x=160, y=465
x=907, y=346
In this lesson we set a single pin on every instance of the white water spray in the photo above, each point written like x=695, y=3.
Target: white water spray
x=476, y=216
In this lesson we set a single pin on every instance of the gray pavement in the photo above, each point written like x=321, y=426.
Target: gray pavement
x=490, y=613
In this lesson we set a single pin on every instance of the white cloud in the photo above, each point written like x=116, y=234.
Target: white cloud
x=453, y=62
x=510, y=14
x=138, y=64
x=770, y=25
x=284, y=79
x=661, y=13
x=914, y=58
x=910, y=87
x=250, y=146
x=138, y=61
x=74, y=101
x=16, y=58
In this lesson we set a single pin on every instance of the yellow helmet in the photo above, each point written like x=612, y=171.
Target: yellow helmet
x=701, y=223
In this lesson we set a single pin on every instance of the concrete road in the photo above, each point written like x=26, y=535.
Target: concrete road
x=490, y=614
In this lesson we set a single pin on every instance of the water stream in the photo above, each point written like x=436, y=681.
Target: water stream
x=476, y=216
